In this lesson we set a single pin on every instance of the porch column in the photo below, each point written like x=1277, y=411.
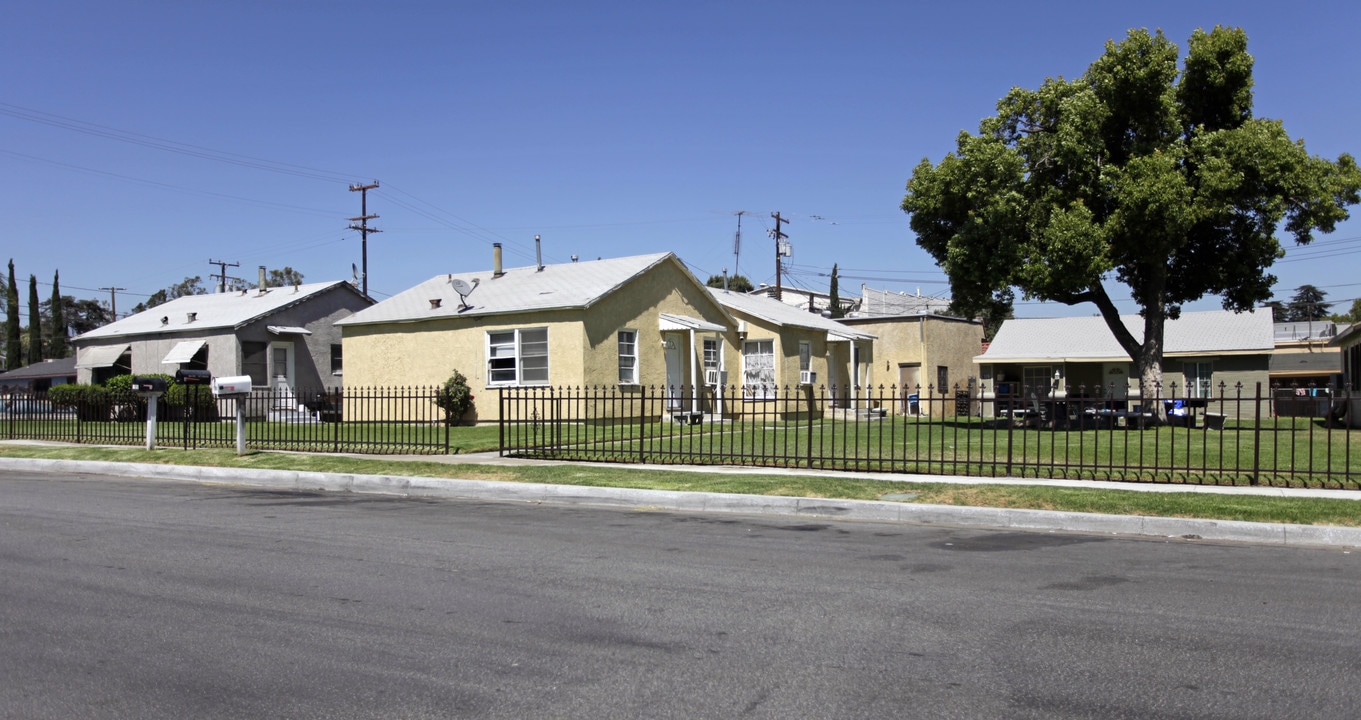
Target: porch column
x=694, y=375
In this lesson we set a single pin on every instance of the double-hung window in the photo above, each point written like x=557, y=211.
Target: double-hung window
x=1197, y=379
x=628, y=357
x=517, y=357
x=758, y=369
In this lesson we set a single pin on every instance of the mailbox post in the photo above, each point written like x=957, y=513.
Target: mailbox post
x=235, y=387
x=150, y=389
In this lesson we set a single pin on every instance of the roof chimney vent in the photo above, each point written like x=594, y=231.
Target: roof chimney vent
x=262, y=284
x=538, y=254
x=496, y=271
x=193, y=316
x=435, y=303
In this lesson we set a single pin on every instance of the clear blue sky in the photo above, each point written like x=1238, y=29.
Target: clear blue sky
x=139, y=140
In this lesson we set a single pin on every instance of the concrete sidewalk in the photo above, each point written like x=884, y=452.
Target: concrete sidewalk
x=819, y=508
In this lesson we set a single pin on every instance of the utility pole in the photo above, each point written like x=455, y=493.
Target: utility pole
x=780, y=249
x=113, y=300
x=363, y=226
x=222, y=273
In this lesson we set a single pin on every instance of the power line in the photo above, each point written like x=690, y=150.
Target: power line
x=172, y=146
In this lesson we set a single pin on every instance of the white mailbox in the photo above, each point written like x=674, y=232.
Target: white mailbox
x=231, y=385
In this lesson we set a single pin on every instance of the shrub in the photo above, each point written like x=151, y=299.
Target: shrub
x=90, y=401
x=71, y=395
x=455, y=398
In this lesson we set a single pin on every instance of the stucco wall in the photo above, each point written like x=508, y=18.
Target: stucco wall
x=582, y=344
x=929, y=342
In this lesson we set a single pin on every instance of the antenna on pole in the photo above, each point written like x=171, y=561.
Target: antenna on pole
x=363, y=226
x=737, y=242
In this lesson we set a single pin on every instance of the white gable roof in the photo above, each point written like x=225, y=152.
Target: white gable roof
x=1088, y=338
x=778, y=313
x=217, y=311
x=523, y=289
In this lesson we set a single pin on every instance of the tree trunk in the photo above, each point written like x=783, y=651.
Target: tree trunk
x=1147, y=355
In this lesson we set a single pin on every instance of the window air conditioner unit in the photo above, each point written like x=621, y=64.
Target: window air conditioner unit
x=711, y=377
x=807, y=377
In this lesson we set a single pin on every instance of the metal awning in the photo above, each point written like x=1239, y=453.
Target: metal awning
x=98, y=357
x=667, y=321
x=183, y=351
x=288, y=330
x=834, y=336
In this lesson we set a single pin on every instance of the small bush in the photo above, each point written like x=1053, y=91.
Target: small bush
x=71, y=395
x=455, y=398
x=90, y=401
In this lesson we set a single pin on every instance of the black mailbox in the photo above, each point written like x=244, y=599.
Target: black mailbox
x=193, y=377
x=148, y=385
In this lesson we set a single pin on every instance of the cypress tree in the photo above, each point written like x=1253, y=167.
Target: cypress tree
x=35, y=323
x=56, y=347
x=13, y=359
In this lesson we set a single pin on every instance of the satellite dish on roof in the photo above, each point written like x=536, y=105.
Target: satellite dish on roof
x=463, y=289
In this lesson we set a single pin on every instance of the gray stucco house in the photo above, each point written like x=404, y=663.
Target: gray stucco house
x=281, y=337
x=1204, y=354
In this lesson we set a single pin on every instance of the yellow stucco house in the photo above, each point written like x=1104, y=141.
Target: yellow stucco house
x=927, y=355
x=634, y=322
x=779, y=348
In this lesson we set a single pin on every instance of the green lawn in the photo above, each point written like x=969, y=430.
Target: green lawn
x=1309, y=511
x=1288, y=452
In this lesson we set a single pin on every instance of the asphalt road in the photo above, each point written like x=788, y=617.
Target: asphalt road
x=122, y=599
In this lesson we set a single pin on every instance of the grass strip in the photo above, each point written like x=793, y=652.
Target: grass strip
x=1212, y=506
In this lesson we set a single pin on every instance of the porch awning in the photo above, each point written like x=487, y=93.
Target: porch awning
x=98, y=357
x=288, y=330
x=835, y=336
x=667, y=321
x=183, y=352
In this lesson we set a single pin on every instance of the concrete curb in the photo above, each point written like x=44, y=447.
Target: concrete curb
x=821, y=508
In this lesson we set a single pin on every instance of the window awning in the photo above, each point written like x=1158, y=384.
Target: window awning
x=183, y=352
x=667, y=321
x=98, y=357
x=289, y=330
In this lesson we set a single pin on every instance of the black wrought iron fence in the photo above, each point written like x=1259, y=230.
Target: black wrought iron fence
x=1231, y=436
x=356, y=420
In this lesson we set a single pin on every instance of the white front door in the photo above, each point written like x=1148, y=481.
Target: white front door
x=281, y=373
x=675, y=372
x=1115, y=381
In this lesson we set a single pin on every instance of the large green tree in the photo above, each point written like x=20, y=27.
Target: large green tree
x=1306, y=304
x=736, y=283
x=188, y=286
x=1351, y=316
x=1137, y=172
x=13, y=356
x=81, y=316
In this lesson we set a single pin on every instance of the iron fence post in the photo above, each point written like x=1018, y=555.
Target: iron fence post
x=1257, y=436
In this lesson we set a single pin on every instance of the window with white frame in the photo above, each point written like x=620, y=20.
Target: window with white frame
x=758, y=369
x=711, y=374
x=628, y=357
x=805, y=363
x=517, y=357
x=1197, y=379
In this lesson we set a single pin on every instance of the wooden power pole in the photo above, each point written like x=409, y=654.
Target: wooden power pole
x=781, y=249
x=363, y=226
